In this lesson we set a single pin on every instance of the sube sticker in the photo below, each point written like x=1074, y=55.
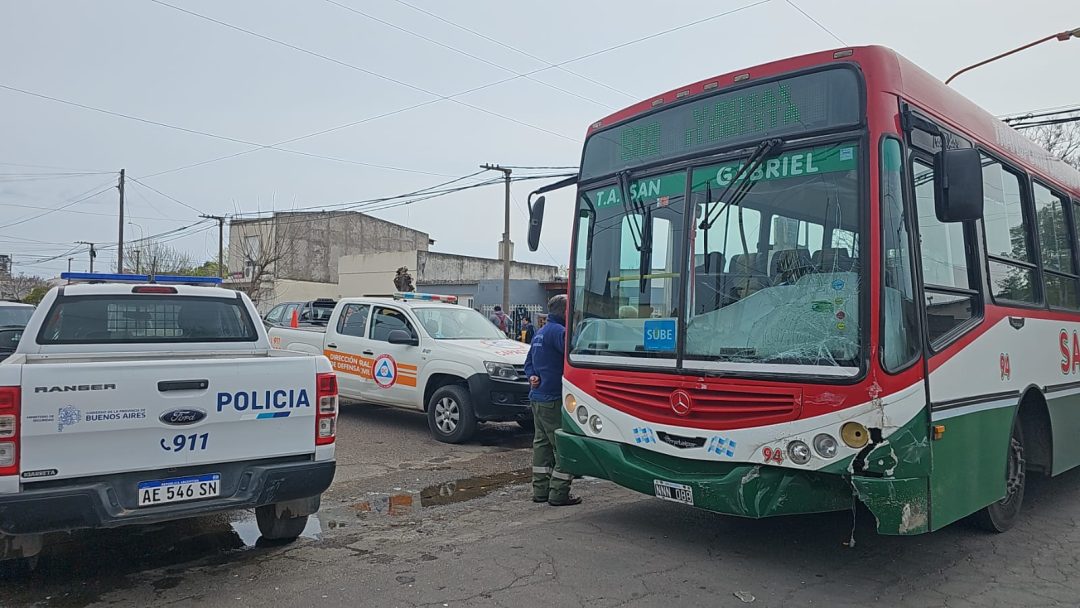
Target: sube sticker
x=660, y=335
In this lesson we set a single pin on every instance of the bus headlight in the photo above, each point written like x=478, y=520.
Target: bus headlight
x=570, y=403
x=825, y=446
x=798, y=452
x=596, y=425
x=582, y=414
x=854, y=435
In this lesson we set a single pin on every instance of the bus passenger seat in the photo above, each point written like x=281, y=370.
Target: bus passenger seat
x=790, y=264
x=746, y=275
x=834, y=259
x=708, y=283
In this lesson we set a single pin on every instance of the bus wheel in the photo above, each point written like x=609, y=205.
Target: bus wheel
x=1003, y=514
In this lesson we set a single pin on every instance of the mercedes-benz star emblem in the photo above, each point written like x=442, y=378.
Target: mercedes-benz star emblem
x=681, y=402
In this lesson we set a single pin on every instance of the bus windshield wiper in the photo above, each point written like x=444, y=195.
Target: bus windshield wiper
x=741, y=182
x=645, y=260
x=640, y=215
x=630, y=209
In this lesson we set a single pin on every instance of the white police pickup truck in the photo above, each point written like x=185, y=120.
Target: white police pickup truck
x=130, y=402
x=422, y=352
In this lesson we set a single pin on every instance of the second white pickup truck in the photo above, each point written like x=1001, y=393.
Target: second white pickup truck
x=130, y=403
x=421, y=352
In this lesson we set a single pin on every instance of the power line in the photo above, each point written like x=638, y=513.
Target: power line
x=206, y=133
x=655, y=35
x=146, y=199
x=53, y=167
x=816, y=22
x=360, y=69
x=467, y=54
x=1041, y=113
x=1053, y=110
x=171, y=198
x=1046, y=123
x=62, y=207
x=413, y=193
x=514, y=49
x=382, y=203
x=451, y=97
x=561, y=167
x=77, y=212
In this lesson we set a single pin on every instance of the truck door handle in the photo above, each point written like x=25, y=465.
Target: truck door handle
x=331, y=345
x=369, y=353
x=182, y=385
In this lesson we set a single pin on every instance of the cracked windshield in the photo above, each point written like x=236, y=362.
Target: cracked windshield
x=774, y=277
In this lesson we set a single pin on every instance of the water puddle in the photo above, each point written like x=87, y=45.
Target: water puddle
x=245, y=526
x=470, y=488
x=75, y=568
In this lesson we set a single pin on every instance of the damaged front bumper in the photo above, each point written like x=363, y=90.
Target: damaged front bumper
x=750, y=490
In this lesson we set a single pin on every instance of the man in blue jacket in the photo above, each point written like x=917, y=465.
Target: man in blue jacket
x=544, y=367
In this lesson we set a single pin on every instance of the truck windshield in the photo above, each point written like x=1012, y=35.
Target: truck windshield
x=144, y=318
x=457, y=324
x=771, y=278
x=15, y=315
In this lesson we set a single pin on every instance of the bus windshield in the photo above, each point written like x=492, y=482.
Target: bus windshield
x=771, y=278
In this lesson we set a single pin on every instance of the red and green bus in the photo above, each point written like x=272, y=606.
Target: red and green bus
x=823, y=279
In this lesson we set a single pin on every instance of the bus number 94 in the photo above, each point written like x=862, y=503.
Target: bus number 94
x=774, y=455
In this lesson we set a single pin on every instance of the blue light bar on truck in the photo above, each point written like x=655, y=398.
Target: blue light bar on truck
x=95, y=277
x=425, y=297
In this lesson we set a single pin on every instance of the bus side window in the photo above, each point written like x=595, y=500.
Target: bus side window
x=900, y=342
x=950, y=293
x=1009, y=244
x=1055, y=244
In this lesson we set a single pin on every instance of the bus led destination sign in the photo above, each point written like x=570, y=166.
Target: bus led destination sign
x=783, y=108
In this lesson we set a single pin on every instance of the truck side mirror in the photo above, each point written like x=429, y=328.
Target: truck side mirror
x=958, y=185
x=400, y=336
x=536, y=223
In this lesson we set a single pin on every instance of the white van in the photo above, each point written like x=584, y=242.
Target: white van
x=421, y=352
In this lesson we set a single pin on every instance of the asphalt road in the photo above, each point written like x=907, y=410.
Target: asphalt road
x=410, y=522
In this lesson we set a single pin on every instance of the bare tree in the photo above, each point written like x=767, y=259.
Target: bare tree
x=155, y=257
x=264, y=246
x=1061, y=140
x=19, y=286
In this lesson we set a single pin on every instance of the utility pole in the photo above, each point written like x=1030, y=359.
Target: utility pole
x=120, y=239
x=138, y=264
x=505, y=246
x=93, y=252
x=220, y=242
x=69, y=264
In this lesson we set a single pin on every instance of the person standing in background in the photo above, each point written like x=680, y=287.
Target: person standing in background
x=544, y=368
x=500, y=320
x=528, y=330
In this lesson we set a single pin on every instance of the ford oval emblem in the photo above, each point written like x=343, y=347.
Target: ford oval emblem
x=182, y=417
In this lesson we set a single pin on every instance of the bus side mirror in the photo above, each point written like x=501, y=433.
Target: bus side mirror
x=958, y=185
x=536, y=223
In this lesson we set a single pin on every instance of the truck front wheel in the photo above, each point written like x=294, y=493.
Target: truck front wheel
x=450, y=414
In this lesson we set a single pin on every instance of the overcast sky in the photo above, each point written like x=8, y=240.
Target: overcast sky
x=146, y=60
